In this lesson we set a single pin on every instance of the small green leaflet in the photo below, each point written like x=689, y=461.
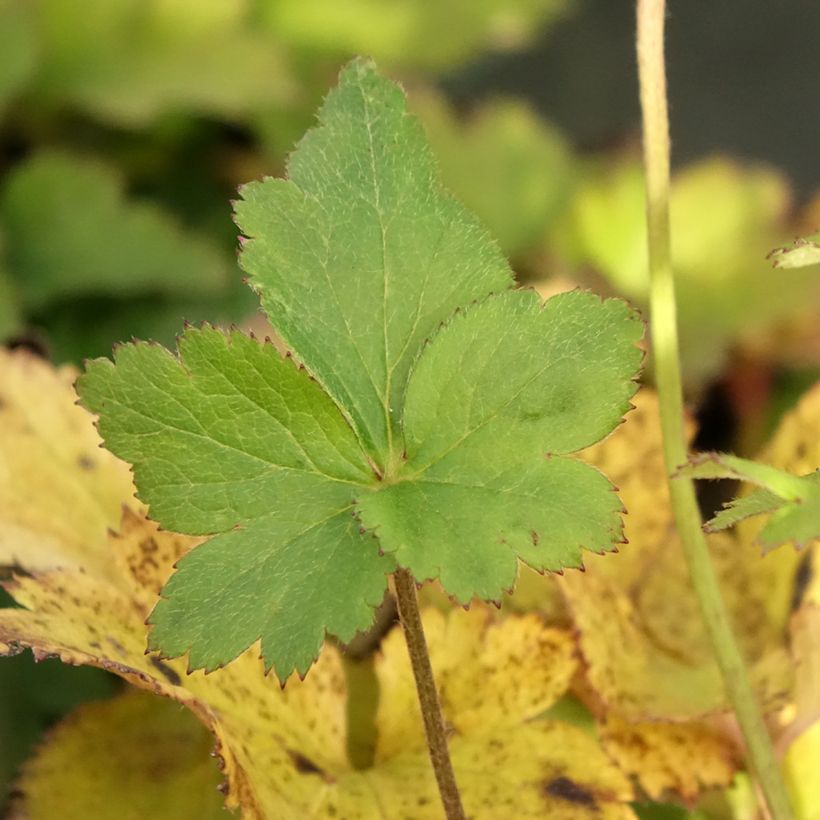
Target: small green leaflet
x=793, y=500
x=431, y=422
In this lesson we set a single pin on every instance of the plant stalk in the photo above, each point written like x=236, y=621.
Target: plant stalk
x=664, y=333
x=434, y=729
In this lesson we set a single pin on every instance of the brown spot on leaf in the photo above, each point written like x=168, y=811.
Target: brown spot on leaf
x=305, y=765
x=85, y=463
x=569, y=790
x=169, y=674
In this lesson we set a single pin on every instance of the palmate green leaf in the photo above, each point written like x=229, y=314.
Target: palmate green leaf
x=450, y=459
x=501, y=386
x=233, y=439
x=360, y=255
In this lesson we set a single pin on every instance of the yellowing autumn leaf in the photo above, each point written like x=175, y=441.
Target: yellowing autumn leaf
x=801, y=739
x=678, y=759
x=59, y=493
x=646, y=649
x=284, y=752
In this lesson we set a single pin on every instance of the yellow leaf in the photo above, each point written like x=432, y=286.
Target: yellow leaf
x=284, y=752
x=488, y=671
x=59, y=493
x=641, y=634
x=800, y=767
x=495, y=676
x=677, y=759
x=125, y=759
x=801, y=739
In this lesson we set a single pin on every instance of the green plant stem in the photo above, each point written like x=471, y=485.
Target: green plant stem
x=428, y=694
x=663, y=313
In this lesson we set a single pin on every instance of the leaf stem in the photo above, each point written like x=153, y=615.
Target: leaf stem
x=663, y=311
x=428, y=694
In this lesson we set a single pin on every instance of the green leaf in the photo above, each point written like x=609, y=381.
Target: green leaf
x=429, y=35
x=18, y=47
x=232, y=439
x=526, y=169
x=503, y=384
x=70, y=230
x=723, y=465
x=460, y=468
x=10, y=313
x=130, y=62
x=794, y=500
x=360, y=255
x=725, y=218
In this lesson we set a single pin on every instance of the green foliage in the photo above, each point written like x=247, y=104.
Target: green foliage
x=499, y=386
x=131, y=61
x=17, y=47
x=793, y=500
x=358, y=258
x=505, y=164
x=360, y=255
x=405, y=32
x=233, y=439
x=724, y=219
x=70, y=230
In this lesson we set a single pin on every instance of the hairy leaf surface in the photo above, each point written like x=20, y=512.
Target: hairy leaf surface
x=497, y=399
x=283, y=752
x=232, y=439
x=360, y=254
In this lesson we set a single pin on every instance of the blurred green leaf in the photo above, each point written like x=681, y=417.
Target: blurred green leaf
x=784, y=485
x=128, y=61
x=725, y=218
x=89, y=327
x=505, y=164
x=17, y=46
x=10, y=317
x=70, y=231
x=433, y=35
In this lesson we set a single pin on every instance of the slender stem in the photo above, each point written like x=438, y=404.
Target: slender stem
x=663, y=309
x=428, y=694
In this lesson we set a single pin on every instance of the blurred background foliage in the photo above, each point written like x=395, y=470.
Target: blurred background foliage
x=127, y=125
